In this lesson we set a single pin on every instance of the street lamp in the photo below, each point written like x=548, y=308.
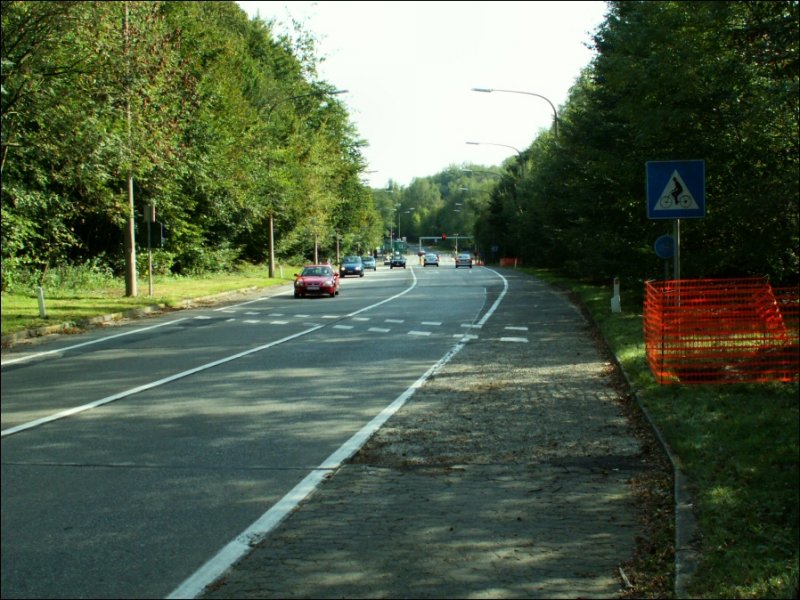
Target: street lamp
x=491, y=144
x=272, y=210
x=555, y=112
x=519, y=154
x=470, y=171
x=408, y=212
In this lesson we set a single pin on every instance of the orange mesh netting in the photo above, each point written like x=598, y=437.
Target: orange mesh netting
x=721, y=331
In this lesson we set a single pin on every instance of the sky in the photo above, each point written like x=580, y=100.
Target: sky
x=409, y=68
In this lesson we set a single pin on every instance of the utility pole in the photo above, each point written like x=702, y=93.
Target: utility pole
x=130, y=229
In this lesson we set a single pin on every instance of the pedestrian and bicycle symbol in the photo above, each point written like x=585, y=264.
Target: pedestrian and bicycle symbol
x=676, y=189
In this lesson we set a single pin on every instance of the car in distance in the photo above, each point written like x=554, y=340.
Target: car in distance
x=369, y=263
x=430, y=260
x=398, y=260
x=351, y=265
x=464, y=259
x=316, y=280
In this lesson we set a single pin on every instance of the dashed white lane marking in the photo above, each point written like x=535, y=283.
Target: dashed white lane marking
x=516, y=328
x=414, y=332
x=202, y=317
x=263, y=526
x=514, y=339
x=342, y=326
x=431, y=322
x=394, y=320
x=251, y=321
x=380, y=329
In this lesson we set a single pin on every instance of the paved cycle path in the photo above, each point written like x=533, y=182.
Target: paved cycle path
x=508, y=475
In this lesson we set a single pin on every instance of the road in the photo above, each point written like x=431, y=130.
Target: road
x=132, y=456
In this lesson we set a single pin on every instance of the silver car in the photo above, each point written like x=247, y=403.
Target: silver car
x=464, y=260
x=430, y=260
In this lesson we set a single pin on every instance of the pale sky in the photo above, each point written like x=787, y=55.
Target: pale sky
x=409, y=68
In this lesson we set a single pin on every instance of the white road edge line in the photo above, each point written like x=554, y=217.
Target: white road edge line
x=97, y=341
x=266, y=523
x=84, y=407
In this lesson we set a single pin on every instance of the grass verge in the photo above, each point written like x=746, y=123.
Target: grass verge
x=20, y=311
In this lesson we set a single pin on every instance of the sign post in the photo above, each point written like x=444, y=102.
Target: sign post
x=676, y=190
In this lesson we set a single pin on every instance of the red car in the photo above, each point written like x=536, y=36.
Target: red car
x=316, y=280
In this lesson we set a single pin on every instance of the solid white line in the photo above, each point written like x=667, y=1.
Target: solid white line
x=97, y=341
x=78, y=409
x=264, y=525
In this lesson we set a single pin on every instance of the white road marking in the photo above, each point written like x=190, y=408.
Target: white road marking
x=263, y=526
x=81, y=345
x=514, y=339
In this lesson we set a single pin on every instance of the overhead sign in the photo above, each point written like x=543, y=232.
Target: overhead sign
x=676, y=189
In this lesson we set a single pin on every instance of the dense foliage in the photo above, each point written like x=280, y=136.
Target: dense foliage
x=224, y=126
x=219, y=122
x=716, y=81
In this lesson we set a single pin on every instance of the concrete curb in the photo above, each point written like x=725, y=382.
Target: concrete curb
x=686, y=557
x=685, y=523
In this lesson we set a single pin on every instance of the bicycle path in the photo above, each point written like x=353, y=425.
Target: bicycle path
x=508, y=475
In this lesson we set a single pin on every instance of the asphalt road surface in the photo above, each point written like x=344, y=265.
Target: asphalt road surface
x=133, y=455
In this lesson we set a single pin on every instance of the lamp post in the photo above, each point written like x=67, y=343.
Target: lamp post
x=272, y=210
x=492, y=144
x=519, y=154
x=408, y=212
x=552, y=106
x=470, y=171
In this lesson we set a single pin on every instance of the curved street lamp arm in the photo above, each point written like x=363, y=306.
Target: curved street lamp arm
x=552, y=106
x=493, y=144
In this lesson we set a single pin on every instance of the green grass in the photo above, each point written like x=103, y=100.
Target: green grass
x=738, y=446
x=68, y=304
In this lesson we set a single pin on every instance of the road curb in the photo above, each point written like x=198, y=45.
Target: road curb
x=134, y=313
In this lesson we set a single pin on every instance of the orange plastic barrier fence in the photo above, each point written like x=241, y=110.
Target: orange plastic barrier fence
x=510, y=262
x=721, y=331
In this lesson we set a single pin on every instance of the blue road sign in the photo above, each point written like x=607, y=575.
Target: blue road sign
x=665, y=246
x=676, y=189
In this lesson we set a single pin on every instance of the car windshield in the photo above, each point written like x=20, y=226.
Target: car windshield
x=316, y=272
x=352, y=259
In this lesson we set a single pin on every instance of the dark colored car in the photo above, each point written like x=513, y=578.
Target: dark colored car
x=398, y=260
x=464, y=260
x=316, y=280
x=369, y=263
x=352, y=265
x=430, y=260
